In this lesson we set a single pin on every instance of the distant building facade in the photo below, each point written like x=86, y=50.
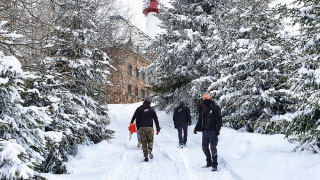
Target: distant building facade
x=130, y=55
x=130, y=81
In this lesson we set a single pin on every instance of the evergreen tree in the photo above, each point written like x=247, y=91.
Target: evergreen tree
x=184, y=52
x=16, y=121
x=240, y=60
x=72, y=48
x=60, y=104
x=250, y=85
x=305, y=78
x=76, y=81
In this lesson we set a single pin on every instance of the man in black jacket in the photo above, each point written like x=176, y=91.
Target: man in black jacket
x=134, y=117
x=209, y=122
x=181, y=120
x=145, y=117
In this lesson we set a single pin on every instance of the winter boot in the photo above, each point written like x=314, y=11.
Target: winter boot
x=150, y=153
x=145, y=160
x=209, y=164
x=181, y=145
x=214, y=168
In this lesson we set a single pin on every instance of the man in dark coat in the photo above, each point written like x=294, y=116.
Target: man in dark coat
x=145, y=117
x=134, y=117
x=209, y=122
x=181, y=120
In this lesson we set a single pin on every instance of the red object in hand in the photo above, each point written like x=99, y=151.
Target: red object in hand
x=132, y=128
x=158, y=132
x=213, y=132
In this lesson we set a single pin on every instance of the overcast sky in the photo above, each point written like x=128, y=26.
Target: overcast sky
x=136, y=7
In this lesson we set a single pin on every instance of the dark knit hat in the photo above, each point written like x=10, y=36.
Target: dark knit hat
x=146, y=102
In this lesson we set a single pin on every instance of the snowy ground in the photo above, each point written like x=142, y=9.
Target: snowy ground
x=241, y=155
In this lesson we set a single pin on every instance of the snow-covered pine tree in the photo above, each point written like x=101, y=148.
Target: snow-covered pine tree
x=63, y=99
x=19, y=125
x=239, y=60
x=184, y=51
x=305, y=79
x=76, y=80
x=249, y=86
x=73, y=48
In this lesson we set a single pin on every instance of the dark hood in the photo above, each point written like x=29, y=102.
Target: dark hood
x=182, y=104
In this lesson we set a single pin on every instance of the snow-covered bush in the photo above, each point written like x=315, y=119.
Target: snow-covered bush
x=14, y=161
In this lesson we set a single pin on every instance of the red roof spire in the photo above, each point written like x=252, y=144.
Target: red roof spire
x=151, y=6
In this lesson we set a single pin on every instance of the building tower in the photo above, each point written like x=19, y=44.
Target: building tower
x=150, y=10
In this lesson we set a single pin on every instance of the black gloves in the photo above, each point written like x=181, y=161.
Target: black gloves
x=195, y=132
x=217, y=132
x=189, y=123
x=175, y=126
x=158, y=130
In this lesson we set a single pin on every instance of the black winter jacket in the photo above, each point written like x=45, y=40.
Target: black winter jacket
x=181, y=115
x=145, y=117
x=134, y=117
x=209, y=117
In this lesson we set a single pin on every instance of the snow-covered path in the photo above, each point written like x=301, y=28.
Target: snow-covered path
x=241, y=155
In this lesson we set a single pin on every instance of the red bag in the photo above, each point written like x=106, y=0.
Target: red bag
x=132, y=128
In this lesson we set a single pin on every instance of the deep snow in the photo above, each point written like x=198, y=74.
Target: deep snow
x=241, y=155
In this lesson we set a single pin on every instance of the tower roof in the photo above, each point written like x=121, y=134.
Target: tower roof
x=151, y=6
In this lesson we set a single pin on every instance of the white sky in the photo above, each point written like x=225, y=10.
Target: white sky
x=136, y=7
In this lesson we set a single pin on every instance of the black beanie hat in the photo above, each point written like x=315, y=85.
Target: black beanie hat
x=146, y=102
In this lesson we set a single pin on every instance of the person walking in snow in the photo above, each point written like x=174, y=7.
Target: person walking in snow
x=181, y=120
x=145, y=117
x=209, y=122
x=134, y=117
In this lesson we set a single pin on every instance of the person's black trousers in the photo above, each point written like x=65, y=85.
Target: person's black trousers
x=208, y=137
x=184, y=128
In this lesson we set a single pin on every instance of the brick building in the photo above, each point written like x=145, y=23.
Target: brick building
x=130, y=81
x=130, y=55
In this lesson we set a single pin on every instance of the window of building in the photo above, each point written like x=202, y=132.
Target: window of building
x=129, y=70
x=129, y=87
x=136, y=91
x=143, y=93
x=143, y=76
x=146, y=78
x=137, y=73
